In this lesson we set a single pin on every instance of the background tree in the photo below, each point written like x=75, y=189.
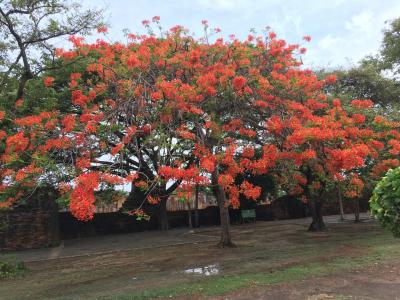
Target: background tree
x=28, y=30
x=366, y=82
x=375, y=78
x=316, y=135
x=390, y=52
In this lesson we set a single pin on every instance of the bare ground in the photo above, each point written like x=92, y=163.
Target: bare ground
x=376, y=282
x=357, y=261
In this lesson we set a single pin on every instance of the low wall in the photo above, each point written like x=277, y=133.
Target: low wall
x=117, y=222
x=26, y=227
x=40, y=225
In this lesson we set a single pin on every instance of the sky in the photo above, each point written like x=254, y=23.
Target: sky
x=342, y=31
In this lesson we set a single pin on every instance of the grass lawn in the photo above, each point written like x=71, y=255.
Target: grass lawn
x=267, y=254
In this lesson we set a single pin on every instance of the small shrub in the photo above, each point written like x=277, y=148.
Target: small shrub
x=10, y=267
x=385, y=201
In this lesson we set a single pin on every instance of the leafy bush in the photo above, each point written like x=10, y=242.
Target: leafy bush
x=10, y=267
x=385, y=201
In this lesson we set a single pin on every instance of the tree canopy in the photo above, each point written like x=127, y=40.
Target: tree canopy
x=169, y=112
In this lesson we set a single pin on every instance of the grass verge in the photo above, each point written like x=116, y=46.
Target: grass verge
x=10, y=267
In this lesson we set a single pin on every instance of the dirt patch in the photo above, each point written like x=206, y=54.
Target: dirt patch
x=378, y=282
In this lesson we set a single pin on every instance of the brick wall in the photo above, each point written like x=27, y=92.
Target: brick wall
x=29, y=226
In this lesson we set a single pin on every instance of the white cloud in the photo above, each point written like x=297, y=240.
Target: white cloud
x=359, y=36
x=362, y=22
x=329, y=42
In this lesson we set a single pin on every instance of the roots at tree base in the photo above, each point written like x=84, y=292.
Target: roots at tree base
x=317, y=226
x=225, y=241
x=229, y=244
x=317, y=223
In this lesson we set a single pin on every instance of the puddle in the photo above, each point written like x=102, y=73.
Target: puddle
x=205, y=271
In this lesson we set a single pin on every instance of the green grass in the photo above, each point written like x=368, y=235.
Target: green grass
x=10, y=267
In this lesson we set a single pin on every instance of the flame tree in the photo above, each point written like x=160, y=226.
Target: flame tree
x=166, y=113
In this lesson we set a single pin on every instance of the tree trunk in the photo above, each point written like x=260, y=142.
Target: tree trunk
x=189, y=216
x=196, y=208
x=135, y=199
x=21, y=88
x=340, y=203
x=226, y=240
x=27, y=75
x=163, y=213
x=356, y=210
x=317, y=223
